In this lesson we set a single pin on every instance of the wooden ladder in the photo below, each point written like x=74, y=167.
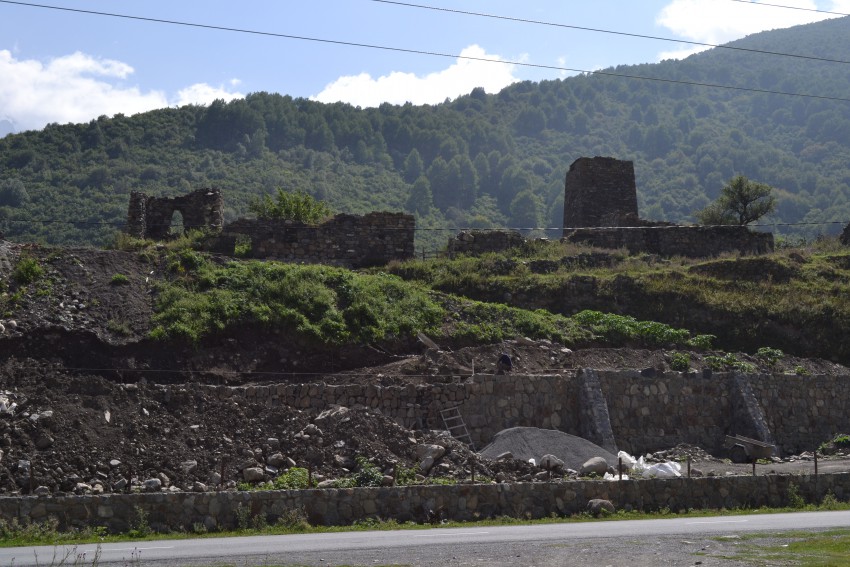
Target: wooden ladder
x=456, y=426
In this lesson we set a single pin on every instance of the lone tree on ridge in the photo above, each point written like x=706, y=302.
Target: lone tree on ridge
x=740, y=202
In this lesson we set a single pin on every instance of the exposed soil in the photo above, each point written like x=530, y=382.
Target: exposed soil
x=92, y=413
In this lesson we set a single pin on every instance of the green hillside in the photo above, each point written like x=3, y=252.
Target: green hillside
x=483, y=160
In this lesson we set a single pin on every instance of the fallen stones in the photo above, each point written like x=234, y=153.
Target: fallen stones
x=253, y=474
x=428, y=455
x=594, y=466
x=551, y=463
x=599, y=507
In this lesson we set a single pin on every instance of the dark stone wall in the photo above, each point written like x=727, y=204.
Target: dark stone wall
x=600, y=191
x=150, y=217
x=344, y=240
x=688, y=241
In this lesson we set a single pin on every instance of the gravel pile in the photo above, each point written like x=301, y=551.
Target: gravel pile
x=532, y=443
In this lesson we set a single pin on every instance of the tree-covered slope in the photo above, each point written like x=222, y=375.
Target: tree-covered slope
x=482, y=160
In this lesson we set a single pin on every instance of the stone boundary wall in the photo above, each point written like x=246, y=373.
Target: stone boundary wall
x=353, y=241
x=222, y=510
x=688, y=241
x=644, y=413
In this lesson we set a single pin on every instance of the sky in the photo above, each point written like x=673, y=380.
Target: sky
x=72, y=65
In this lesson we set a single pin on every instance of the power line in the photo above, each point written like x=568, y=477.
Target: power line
x=790, y=7
x=612, y=32
x=455, y=228
x=434, y=53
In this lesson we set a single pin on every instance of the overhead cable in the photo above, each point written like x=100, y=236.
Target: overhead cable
x=613, y=32
x=434, y=53
x=790, y=7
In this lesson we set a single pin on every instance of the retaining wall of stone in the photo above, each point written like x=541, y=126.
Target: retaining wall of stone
x=220, y=510
x=643, y=413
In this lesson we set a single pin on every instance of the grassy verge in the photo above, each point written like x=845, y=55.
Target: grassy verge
x=294, y=522
x=821, y=549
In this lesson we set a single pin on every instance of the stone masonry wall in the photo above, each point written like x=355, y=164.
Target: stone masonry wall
x=803, y=411
x=221, y=510
x=688, y=241
x=644, y=413
x=344, y=240
x=599, y=191
x=150, y=217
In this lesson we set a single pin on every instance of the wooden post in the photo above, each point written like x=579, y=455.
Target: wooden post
x=816, y=463
x=689, y=466
x=754, y=466
x=472, y=469
x=620, y=467
x=310, y=476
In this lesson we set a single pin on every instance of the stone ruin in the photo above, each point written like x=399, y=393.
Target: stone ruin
x=346, y=240
x=600, y=191
x=151, y=217
x=600, y=209
x=352, y=241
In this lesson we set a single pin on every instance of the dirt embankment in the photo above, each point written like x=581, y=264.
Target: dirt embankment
x=91, y=414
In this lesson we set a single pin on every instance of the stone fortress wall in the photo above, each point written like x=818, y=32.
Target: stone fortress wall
x=344, y=240
x=600, y=209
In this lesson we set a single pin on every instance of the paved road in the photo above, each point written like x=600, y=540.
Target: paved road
x=501, y=545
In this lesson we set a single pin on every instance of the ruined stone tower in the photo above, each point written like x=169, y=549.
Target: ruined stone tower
x=150, y=217
x=600, y=191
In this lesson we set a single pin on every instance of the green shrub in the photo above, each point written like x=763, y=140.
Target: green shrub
x=367, y=474
x=296, y=478
x=795, y=500
x=298, y=206
x=770, y=356
x=728, y=362
x=680, y=361
x=703, y=342
x=27, y=270
x=119, y=279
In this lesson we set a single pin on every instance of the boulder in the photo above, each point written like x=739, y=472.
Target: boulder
x=153, y=485
x=276, y=460
x=253, y=474
x=595, y=465
x=599, y=507
x=551, y=463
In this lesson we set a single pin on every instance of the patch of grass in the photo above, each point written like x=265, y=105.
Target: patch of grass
x=27, y=270
x=119, y=279
x=822, y=549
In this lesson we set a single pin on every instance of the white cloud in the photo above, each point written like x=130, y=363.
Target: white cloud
x=398, y=88
x=78, y=88
x=710, y=21
x=203, y=93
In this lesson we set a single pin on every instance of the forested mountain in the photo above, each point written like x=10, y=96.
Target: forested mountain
x=482, y=160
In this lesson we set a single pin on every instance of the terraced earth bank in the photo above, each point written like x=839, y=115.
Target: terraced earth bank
x=90, y=403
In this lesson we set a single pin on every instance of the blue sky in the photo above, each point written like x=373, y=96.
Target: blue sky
x=63, y=66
